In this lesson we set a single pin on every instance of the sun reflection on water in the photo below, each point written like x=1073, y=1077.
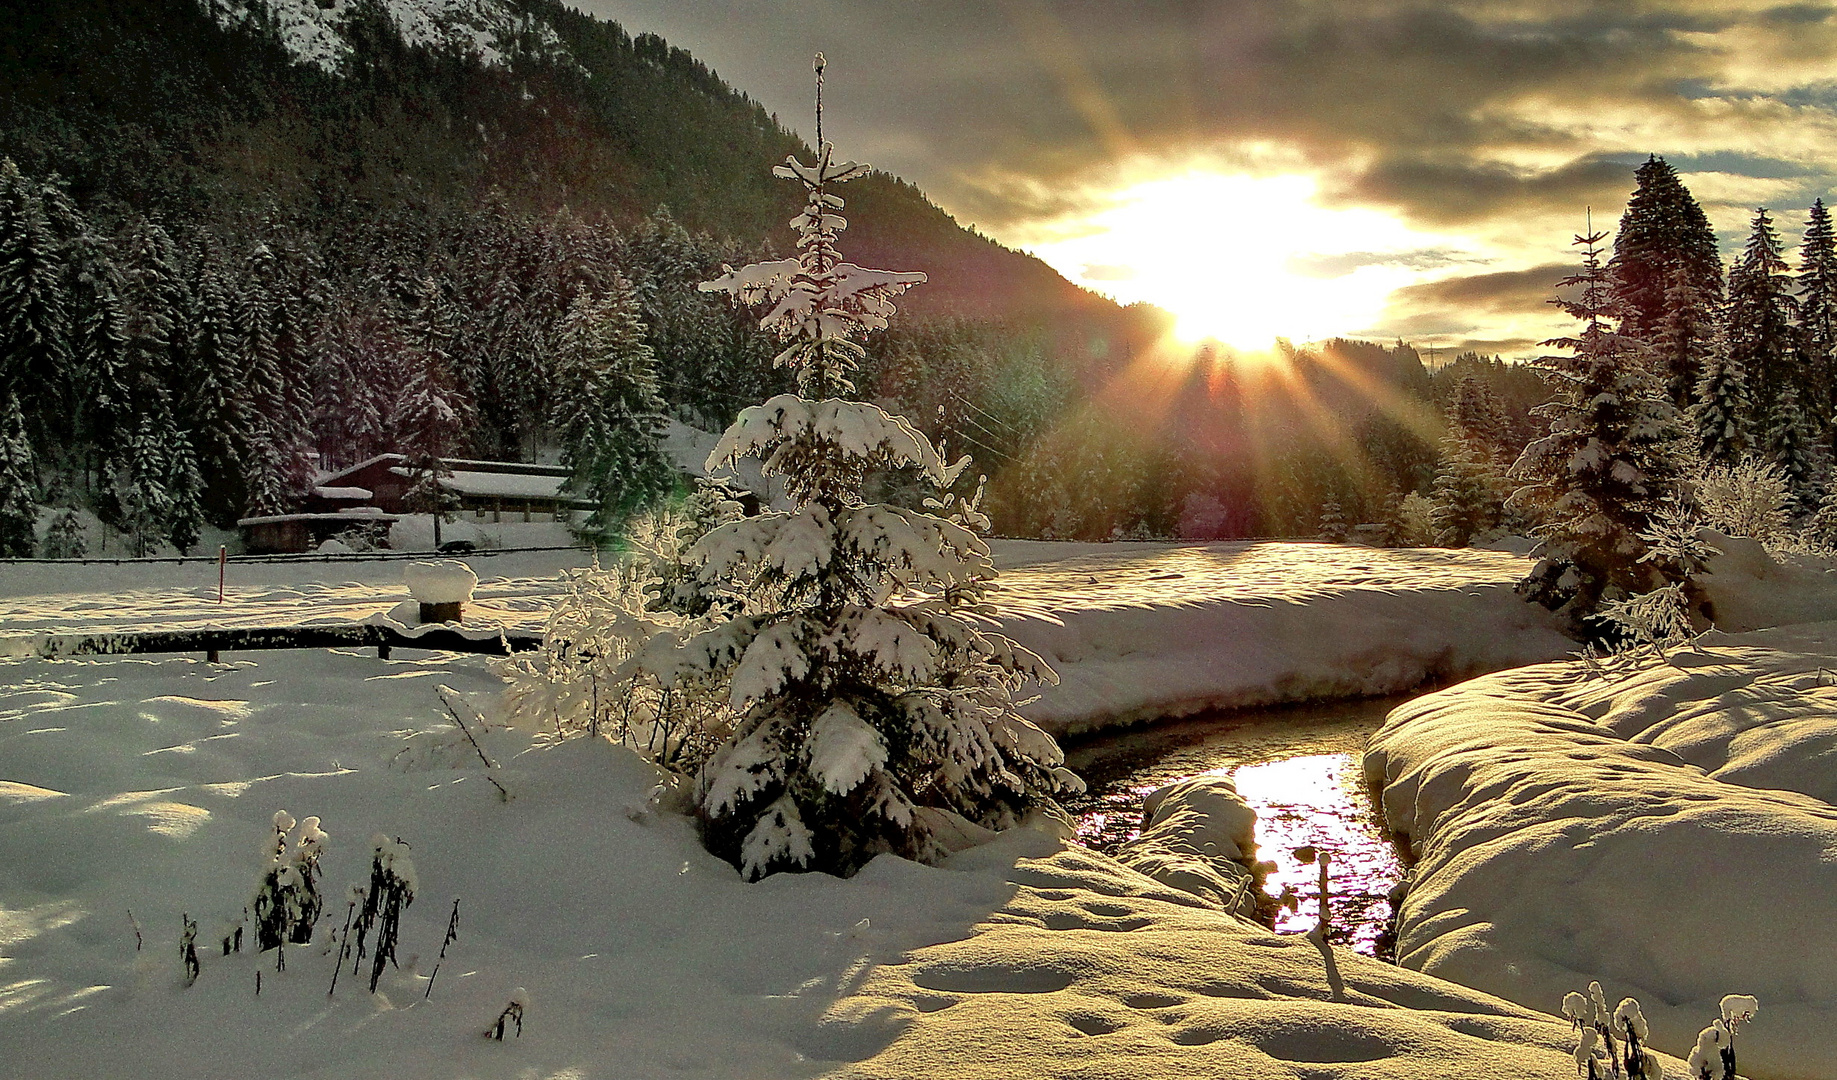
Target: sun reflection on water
x=1303, y=779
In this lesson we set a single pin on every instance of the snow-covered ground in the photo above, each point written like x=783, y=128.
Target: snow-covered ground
x=1135, y=630
x=1148, y=630
x=147, y=786
x=1664, y=826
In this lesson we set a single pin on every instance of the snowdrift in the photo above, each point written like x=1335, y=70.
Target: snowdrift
x=1663, y=825
x=1141, y=631
x=134, y=791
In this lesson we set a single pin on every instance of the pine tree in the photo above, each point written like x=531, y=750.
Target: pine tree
x=609, y=413
x=213, y=409
x=34, y=304
x=1666, y=271
x=1722, y=414
x=1818, y=316
x=1605, y=467
x=184, y=491
x=18, y=507
x=1332, y=528
x=430, y=416
x=1469, y=491
x=1761, y=314
x=870, y=707
x=1790, y=446
x=64, y=540
x=140, y=482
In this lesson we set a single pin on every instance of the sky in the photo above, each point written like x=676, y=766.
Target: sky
x=1302, y=168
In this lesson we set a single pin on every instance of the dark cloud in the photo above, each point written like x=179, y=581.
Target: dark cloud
x=1004, y=112
x=1502, y=292
x=1333, y=266
x=1451, y=192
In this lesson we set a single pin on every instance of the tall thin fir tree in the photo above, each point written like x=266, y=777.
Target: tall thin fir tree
x=34, y=304
x=140, y=482
x=1818, y=319
x=430, y=415
x=1790, y=444
x=871, y=705
x=1607, y=464
x=1761, y=317
x=18, y=501
x=214, y=411
x=1667, y=273
x=609, y=412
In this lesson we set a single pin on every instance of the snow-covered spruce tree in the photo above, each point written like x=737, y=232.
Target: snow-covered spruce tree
x=1818, y=315
x=429, y=414
x=1721, y=412
x=609, y=411
x=1332, y=526
x=18, y=507
x=1469, y=493
x=1790, y=444
x=140, y=482
x=870, y=707
x=34, y=305
x=1606, y=464
x=1761, y=314
x=1667, y=273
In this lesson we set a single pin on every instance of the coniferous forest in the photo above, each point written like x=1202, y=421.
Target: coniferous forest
x=278, y=270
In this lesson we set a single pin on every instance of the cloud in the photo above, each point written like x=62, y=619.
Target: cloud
x=1499, y=292
x=1107, y=273
x=1339, y=265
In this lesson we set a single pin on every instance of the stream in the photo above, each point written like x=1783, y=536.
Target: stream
x=1298, y=766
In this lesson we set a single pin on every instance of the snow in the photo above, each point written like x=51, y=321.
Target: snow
x=440, y=581
x=134, y=791
x=309, y=29
x=343, y=492
x=1666, y=826
x=500, y=484
x=1146, y=630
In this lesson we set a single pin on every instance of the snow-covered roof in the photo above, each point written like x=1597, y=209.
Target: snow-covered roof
x=499, y=485
x=365, y=514
x=343, y=492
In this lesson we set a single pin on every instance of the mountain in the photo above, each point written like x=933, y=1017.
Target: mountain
x=234, y=106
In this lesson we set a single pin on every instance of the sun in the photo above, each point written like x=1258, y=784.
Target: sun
x=1245, y=259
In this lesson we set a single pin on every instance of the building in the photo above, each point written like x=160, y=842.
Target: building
x=482, y=488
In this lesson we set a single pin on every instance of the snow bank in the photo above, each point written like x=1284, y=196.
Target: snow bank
x=1748, y=589
x=1140, y=631
x=1198, y=836
x=441, y=581
x=1664, y=827
x=134, y=791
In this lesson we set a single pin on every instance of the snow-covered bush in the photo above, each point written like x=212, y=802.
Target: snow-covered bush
x=287, y=903
x=872, y=702
x=1713, y=1058
x=1414, y=524
x=391, y=890
x=1671, y=612
x=581, y=681
x=1611, y=1044
x=1749, y=498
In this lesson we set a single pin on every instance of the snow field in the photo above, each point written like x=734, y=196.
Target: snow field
x=1142, y=631
x=1664, y=826
x=150, y=785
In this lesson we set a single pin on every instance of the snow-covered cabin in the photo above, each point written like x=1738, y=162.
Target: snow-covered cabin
x=482, y=487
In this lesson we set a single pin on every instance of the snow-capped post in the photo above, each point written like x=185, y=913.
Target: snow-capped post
x=871, y=704
x=441, y=587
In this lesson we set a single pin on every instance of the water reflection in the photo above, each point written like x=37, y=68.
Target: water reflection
x=1298, y=767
